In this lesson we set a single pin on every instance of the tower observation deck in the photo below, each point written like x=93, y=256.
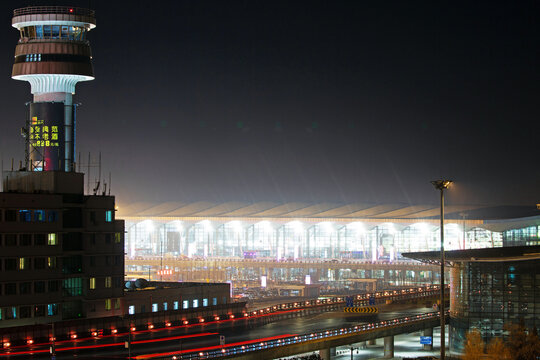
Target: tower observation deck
x=53, y=55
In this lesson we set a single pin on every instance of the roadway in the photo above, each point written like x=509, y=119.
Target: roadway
x=200, y=337
x=405, y=346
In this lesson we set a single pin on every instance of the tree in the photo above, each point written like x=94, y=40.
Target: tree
x=496, y=349
x=522, y=344
x=474, y=345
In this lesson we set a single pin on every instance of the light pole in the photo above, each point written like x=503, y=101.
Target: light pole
x=442, y=185
x=53, y=345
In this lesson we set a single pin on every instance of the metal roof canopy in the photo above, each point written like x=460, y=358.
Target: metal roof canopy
x=509, y=253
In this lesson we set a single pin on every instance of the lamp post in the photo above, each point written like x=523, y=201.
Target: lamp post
x=52, y=349
x=442, y=185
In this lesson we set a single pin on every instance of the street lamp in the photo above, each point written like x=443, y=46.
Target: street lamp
x=442, y=185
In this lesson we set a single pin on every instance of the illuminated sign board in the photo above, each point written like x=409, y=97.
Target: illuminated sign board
x=46, y=135
x=42, y=135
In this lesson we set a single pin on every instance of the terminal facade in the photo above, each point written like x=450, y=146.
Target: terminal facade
x=322, y=231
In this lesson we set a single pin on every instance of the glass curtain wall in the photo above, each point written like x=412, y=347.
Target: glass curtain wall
x=297, y=239
x=486, y=295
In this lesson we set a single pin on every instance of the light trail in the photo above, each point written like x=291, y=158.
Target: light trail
x=215, y=347
x=98, y=346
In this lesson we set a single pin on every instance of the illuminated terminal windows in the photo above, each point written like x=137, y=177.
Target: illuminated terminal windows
x=61, y=32
x=297, y=239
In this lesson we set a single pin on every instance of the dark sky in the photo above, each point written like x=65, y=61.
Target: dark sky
x=317, y=101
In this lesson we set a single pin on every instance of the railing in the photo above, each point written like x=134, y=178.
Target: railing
x=31, y=10
x=220, y=351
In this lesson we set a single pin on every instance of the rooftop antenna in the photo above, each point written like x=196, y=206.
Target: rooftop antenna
x=98, y=184
x=109, y=183
x=88, y=175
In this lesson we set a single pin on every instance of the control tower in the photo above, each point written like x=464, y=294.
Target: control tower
x=53, y=55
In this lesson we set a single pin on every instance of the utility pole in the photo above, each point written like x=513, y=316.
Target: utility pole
x=442, y=185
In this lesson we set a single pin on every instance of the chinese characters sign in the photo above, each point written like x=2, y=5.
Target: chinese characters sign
x=42, y=135
x=46, y=135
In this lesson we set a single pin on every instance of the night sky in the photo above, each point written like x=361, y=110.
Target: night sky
x=314, y=101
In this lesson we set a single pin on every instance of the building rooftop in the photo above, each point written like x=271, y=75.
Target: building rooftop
x=511, y=253
x=323, y=211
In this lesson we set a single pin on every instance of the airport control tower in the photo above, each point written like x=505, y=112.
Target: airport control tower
x=53, y=55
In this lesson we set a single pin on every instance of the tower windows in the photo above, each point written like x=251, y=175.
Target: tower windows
x=64, y=32
x=47, y=31
x=52, y=57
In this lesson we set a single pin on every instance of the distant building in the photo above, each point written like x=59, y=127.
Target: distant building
x=153, y=296
x=319, y=231
x=490, y=288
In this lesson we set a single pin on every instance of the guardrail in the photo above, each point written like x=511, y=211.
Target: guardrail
x=32, y=10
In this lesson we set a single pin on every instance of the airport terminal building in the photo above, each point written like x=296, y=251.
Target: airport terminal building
x=293, y=231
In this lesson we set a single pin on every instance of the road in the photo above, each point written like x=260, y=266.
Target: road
x=182, y=338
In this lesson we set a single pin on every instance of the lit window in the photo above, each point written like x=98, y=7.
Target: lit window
x=175, y=305
x=52, y=309
x=92, y=283
x=51, y=239
x=214, y=301
x=12, y=313
x=195, y=303
x=108, y=215
x=165, y=306
x=154, y=307
x=39, y=215
x=24, y=263
x=25, y=215
x=107, y=304
x=185, y=304
x=131, y=309
x=204, y=302
x=108, y=281
x=117, y=238
x=51, y=262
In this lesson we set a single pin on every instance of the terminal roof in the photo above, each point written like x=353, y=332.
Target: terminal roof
x=498, y=254
x=353, y=211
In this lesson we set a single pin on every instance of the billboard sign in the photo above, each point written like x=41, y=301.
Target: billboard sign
x=46, y=135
